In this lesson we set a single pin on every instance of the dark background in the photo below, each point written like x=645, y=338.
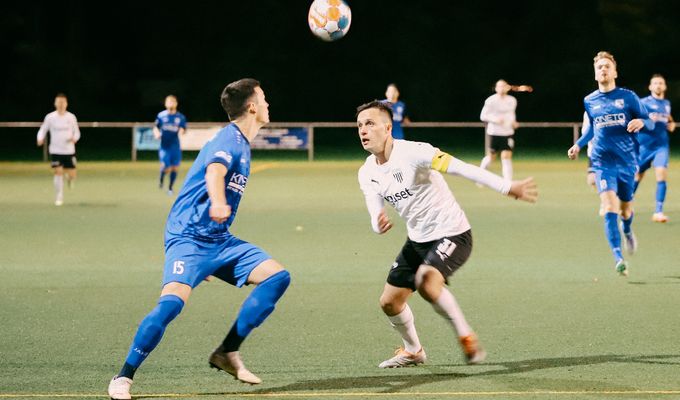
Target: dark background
x=116, y=61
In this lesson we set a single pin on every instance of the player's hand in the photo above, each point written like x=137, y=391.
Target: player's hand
x=573, y=152
x=515, y=125
x=671, y=126
x=220, y=213
x=635, y=125
x=525, y=190
x=384, y=223
x=40, y=142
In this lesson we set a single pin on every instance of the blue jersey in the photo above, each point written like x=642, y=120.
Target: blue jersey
x=169, y=125
x=660, y=112
x=398, y=114
x=189, y=215
x=609, y=114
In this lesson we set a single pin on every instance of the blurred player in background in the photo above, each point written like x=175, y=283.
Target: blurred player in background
x=64, y=134
x=198, y=243
x=499, y=114
x=615, y=115
x=170, y=125
x=654, y=143
x=408, y=176
x=398, y=111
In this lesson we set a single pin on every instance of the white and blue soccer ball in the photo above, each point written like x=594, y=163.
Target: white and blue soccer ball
x=329, y=20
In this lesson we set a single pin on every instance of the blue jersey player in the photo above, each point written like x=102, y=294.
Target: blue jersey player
x=198, y=243
x=170, y=125
x=654, y=145
x=399, y=115
x=615, y=116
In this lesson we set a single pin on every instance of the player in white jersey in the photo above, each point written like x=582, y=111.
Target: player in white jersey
x=64, y=134
x=499, y=114
x=407, y=175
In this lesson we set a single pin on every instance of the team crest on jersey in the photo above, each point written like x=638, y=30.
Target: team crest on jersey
x=177, y=120
x=619, y=103
x=398, y=176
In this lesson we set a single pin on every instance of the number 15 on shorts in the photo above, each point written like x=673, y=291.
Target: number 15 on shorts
x=178, y=267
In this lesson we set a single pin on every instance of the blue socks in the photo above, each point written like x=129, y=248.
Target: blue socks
x=626, y=223
x=660, y=195
x=611, y=231
x=173, y=176
x=256, y=308
x=150, y=332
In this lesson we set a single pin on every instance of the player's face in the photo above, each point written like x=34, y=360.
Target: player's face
x=375, y=128
x=261, y=106
x=605, y=71
x=657, y=86
x=170, y=103
x=392, y=94
x=60, y=104
x=502, y=87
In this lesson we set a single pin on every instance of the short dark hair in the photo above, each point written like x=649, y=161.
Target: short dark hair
x=60, y=94
x=657, y=76
x=235, y=97
x=380, y=105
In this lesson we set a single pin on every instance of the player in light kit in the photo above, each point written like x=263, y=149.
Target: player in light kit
x=654, y=144
x=615, y=116
x=398, y=111
x=64, y=134
x=408, y=176
x=198, y=243
x=499, y=114
x=170, y=125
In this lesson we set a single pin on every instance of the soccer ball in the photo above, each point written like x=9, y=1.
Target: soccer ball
x=329, y=20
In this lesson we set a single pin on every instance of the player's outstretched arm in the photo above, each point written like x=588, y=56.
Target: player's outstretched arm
x=214, y=181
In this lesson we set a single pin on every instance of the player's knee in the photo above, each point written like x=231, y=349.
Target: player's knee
x=429, y=283
x=390, y=305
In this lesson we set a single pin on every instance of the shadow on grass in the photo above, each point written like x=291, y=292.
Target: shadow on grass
x=389, y=382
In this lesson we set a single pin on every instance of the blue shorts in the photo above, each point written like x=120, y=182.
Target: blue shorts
x=655, y=157
x=619, y=181
x=170, y=157
x=190, y=261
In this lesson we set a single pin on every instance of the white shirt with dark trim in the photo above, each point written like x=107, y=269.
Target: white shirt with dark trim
x=64, y=132
x=496, y=108
x=419, y=194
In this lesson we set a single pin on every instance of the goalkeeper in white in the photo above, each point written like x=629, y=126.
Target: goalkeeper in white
x=407, y=175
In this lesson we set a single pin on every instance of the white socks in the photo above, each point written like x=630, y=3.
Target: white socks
x=59, y=186
x=506, y=165
x=447, y=307
x=403, y=323
x=485, y=162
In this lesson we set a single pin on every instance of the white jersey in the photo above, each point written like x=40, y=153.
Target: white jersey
x=418, y=193
x=499, y=114
x=63, y=130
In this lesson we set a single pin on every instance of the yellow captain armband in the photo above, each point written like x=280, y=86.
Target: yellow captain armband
x=441, y=161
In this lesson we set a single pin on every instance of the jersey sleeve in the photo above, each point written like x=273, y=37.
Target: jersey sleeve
x=373, y=199
x=42, y=132
x=158, y=122
x=487, y=113
x=76, y=129
x=183, y=122
x=220, y=152
x=587, y=132
x=420, y=154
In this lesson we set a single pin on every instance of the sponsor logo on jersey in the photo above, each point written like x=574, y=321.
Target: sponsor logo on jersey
x=619, y=103
x=396, y=197
x=237, y=183
x=610, y=120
